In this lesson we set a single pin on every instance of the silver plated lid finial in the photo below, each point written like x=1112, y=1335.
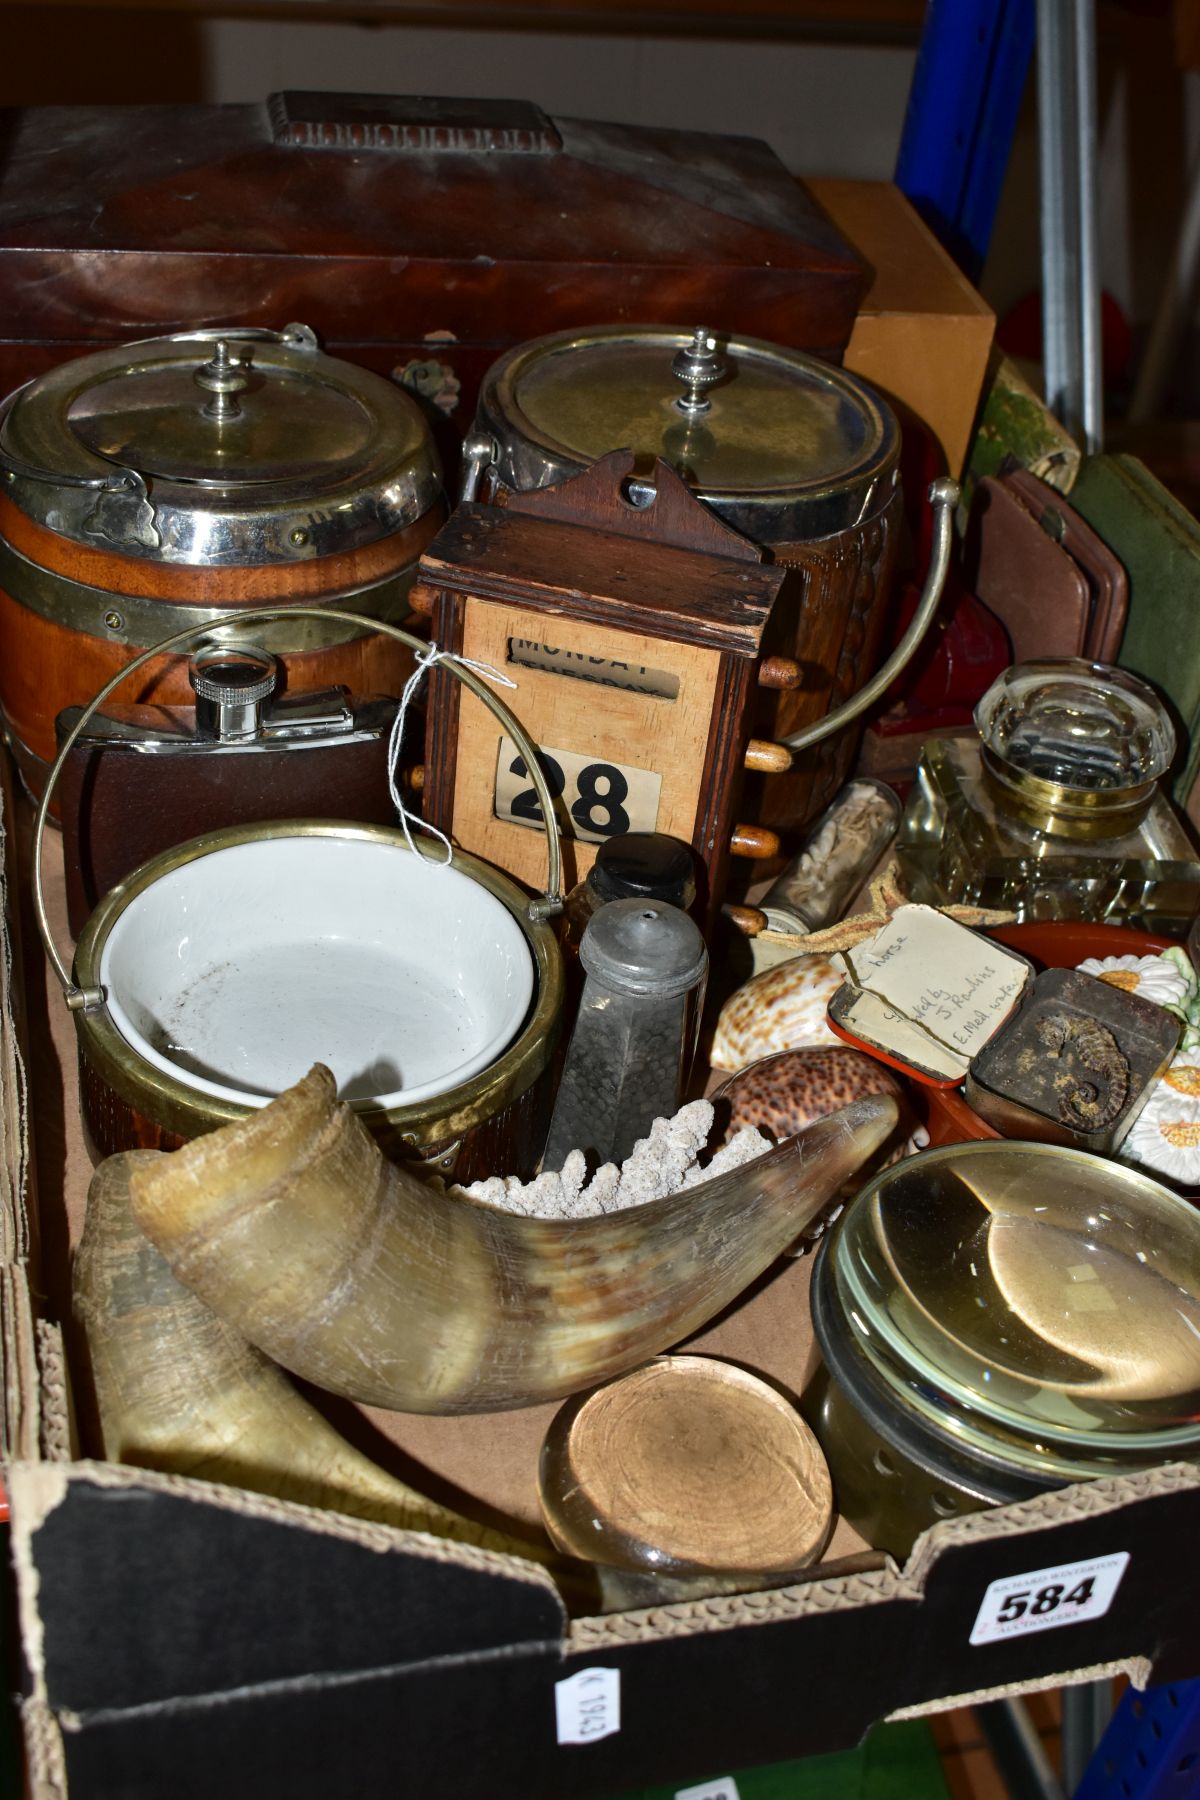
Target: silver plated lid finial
x=698, y=365
x=224, y=377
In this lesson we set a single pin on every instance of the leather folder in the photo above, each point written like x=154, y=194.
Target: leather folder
x=1054, y=584
x=1101, y=568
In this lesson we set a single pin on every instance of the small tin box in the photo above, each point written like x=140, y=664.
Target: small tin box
x=1075, y=1066
x=926, y=994
x=1059, y=1058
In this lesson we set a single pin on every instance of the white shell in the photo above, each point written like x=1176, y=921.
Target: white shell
x=1155, y=978
x=1165, y=1136
x=781, y=1009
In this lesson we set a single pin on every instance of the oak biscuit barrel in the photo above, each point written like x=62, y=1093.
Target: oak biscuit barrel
x=800, y=456
x=152, y=486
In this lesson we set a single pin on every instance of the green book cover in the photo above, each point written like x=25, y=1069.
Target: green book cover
x=1015, y=423
x=1158, y=541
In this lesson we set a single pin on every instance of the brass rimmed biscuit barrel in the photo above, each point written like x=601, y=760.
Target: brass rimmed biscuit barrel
x=152, y=486
x=138, y=1087
x=797, y=454
x=494, y=1120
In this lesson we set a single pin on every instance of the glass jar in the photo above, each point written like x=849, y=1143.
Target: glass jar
x=642, y=865
x=1054, y=810
x=997, y=1319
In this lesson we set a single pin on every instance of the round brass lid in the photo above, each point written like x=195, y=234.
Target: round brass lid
x=781, y=445
x=218, y=447
x=1072, y=747
x=686, y=1464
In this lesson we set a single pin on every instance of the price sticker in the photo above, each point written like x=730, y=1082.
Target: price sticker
x=587, y=1706
x=593, y=799
x=1066, y=1594
x=723, y=1788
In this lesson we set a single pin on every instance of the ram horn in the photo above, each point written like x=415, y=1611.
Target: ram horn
x=351, y=1273
x=178, y=1390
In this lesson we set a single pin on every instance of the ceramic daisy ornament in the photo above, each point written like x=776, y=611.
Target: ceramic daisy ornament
x=1165, y=1136
x=1168, y=980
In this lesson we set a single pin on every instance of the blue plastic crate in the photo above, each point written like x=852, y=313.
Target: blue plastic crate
x=1151, y=1749
x=962, y=112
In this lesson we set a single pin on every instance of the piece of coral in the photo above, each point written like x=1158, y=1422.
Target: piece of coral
x=660, y=1164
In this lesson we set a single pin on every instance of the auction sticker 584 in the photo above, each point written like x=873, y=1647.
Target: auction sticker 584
x=1066, y=1594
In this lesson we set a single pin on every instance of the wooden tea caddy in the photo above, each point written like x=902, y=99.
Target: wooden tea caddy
x=418, y=236
x=637, y=628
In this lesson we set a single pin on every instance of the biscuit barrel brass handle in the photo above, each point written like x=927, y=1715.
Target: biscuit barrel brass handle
x=943, y=497
x=549, y=903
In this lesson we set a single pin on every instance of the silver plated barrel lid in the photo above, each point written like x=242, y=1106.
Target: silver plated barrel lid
x=1029, y=1295
x=780, y=445
x=224, y=447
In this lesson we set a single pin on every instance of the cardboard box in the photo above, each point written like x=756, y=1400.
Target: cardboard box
x=923, y=334
x=191, y=1640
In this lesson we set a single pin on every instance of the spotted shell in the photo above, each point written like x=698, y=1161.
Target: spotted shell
x=782, y=1008
x=1165, y=1136
x=783, y=1093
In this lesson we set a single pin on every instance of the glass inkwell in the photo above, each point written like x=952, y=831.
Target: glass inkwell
x=1054, y=810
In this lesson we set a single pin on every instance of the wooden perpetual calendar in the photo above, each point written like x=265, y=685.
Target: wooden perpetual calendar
x=636, y=628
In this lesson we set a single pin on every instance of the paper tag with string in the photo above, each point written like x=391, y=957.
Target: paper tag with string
x=425, y=661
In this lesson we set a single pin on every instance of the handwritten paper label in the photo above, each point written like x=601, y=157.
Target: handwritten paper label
x=593, y=800
x=605, y=671
x=872, y=1020
x=587, y=1706
x=950, y=988
x=723, y=1788
x=1066, y=1594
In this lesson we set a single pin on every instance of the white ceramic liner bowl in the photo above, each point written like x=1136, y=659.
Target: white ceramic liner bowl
x=239, y=969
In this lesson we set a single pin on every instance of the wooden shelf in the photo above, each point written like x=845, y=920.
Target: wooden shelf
x=880, y=20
